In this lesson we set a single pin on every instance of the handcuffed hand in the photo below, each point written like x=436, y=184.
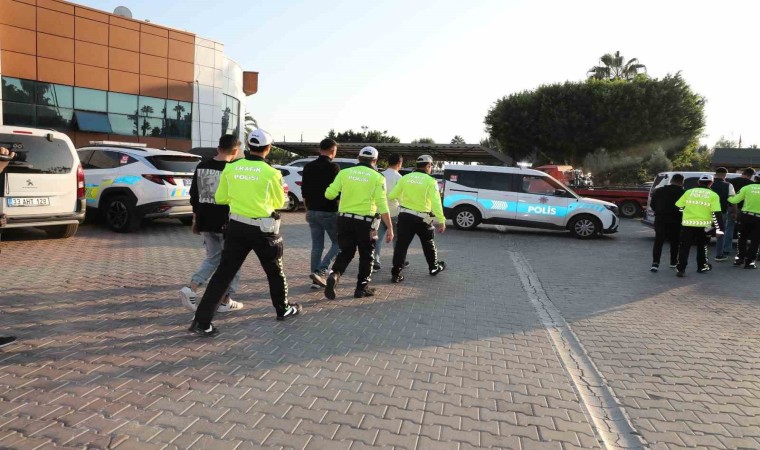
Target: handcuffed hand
x=389, y=236
x=441, y=228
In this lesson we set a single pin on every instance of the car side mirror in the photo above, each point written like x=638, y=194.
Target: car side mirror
x=560, y=193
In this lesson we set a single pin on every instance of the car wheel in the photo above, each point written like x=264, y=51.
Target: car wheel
x=585, y=227
x=293, y=202
x=120, y=214
x=630, y=209
x=62, y=231
x=186, y=221
x=466, y=217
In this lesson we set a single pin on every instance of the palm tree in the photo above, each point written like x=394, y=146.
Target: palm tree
x=615, y=67
x=179, y=109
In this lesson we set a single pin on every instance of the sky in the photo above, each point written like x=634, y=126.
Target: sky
x=433, y=68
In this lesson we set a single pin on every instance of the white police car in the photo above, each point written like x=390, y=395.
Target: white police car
x=127, y=182
x=524, y=198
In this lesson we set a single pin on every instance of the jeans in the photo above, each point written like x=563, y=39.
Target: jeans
x=729, y=236
x=381, y=237
x=321, y=222
x=214, y=243
x=720, y=240
x=240, y=240
x=355, y=234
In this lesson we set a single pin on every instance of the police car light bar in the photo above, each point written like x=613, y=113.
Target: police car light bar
x=523, y=164
x=121, y=144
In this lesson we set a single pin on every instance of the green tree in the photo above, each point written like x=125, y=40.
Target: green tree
x=458, y=140
x=723, y=142
x=425, y=140
x=566, y=122
x=659, y=162
x=365, y=136
x=615, y=67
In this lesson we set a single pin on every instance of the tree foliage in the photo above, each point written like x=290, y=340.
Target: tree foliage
x=566, y=122
x=425, y=140
x=458, y=140
x=615, y=67
x=724, y=142
x=365, y=136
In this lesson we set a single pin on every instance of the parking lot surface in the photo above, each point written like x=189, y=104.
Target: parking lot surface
x=529, y=340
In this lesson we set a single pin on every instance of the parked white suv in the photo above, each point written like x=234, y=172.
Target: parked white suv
x=43, y=186
x=523, y=198
x=292, y=176
x=129, y=182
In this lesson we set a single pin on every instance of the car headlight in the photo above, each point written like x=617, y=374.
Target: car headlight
x=613, y=209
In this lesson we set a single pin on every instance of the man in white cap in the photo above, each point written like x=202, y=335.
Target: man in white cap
x=701, y=211
x=419, y=206
x=362, y=206
x=253, y=190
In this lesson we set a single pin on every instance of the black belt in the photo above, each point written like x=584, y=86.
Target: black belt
x=357, y=217
x=751, y=214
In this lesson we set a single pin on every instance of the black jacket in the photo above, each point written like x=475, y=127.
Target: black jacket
x=317, y=176
x=721, y=188
x=664, y=204
x=209, y=217
x=739, y=183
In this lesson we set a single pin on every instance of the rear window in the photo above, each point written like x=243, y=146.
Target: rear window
x=345, y=165
x=35, y=154
x=658, y=180
x=174, y=163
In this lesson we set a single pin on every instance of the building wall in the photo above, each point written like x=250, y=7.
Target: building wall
x=66, y=44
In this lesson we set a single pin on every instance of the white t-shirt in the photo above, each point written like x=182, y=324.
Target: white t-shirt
x=391, y=178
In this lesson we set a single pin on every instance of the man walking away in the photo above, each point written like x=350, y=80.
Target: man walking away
x=321, y=213
x=420, y=205
x=362, y=206
x=395, y=161
x=724, y=190
x=210, y=220
x=733, y=221
x=750, y=220
x=701, y=210
x=667, y=220
x=253, y=190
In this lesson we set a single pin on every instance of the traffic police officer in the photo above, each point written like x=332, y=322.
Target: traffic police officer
x=701, y=211
x=253, y=190
x=419, y=205
x=750, y=220
x=362, y=205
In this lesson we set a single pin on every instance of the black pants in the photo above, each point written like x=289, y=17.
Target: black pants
x=355, y=234
x=666, y=232
x=693, y=236
x=410, y=226
x=750, y=231
x=239, y=240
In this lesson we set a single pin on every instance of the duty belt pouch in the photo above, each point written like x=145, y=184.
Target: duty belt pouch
x=428, y=220
x=375, y=223
x=270, y=225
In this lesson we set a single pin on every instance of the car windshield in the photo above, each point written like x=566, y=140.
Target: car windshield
x=174, y=163
x=37, y=154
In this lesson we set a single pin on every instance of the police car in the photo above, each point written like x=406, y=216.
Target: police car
x=521, y=197
x=128, y=182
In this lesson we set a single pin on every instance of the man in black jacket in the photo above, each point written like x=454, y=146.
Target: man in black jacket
x=733, y=221
x=667, y=220
x=210, y=221
x=724, y=189
x=321, y=213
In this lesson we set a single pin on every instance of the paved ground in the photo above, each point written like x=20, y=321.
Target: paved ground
x=501, y=351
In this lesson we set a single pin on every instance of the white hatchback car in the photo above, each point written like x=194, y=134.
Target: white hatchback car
x=43, y=186
x=523, y=198
x=129, y=182
x=292, y=176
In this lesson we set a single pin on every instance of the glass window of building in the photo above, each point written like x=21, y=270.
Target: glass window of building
x=230, y=115
x=151, y=127
x=56, y=95
x=178, y=110
x=52, y=117
x=122, y=103
x=152, y=107
x=90, y=100
x=21, y=114
x=16, y=90
x=123, y=124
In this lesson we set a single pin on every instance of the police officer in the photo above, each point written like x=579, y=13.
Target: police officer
x=419, y=205
x=253, y=190
x=362, y=206
x=701, y=210
x=750, y=219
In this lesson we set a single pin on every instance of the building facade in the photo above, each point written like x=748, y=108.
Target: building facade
x=100, y=76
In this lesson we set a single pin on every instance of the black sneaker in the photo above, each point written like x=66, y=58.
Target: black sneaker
x=332, y=282
x=738, y=261
x=720, y=258
x=406, y=263
x=376, y=267
x=680, y=274
x=397, y=278
x=655, y=267
x=211, y=331
x=293, y=310
x=318, y=278
x=7, y=340
x=705, y=268
x=364, y=292
x=440, y=267
x=673, y=265
x=750, y=265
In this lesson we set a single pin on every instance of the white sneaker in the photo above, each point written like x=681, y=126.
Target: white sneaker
x=231, y=305
x=188, y=298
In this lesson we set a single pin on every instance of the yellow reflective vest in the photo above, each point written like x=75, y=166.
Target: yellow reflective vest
x=251, y=187
x=418, y=191
x=361, y=189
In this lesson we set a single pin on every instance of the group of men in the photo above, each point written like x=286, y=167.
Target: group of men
x=715, y=206
x=235, y=204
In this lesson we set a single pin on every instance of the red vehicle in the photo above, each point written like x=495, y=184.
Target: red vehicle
x=632, y=201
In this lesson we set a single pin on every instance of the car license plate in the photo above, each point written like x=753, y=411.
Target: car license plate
x=28, y=201
x=187, y=181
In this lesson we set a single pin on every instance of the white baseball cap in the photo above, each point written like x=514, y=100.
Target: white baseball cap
x=368, y=152
x=424, y=159
x=259, y=138
x=706, y=178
